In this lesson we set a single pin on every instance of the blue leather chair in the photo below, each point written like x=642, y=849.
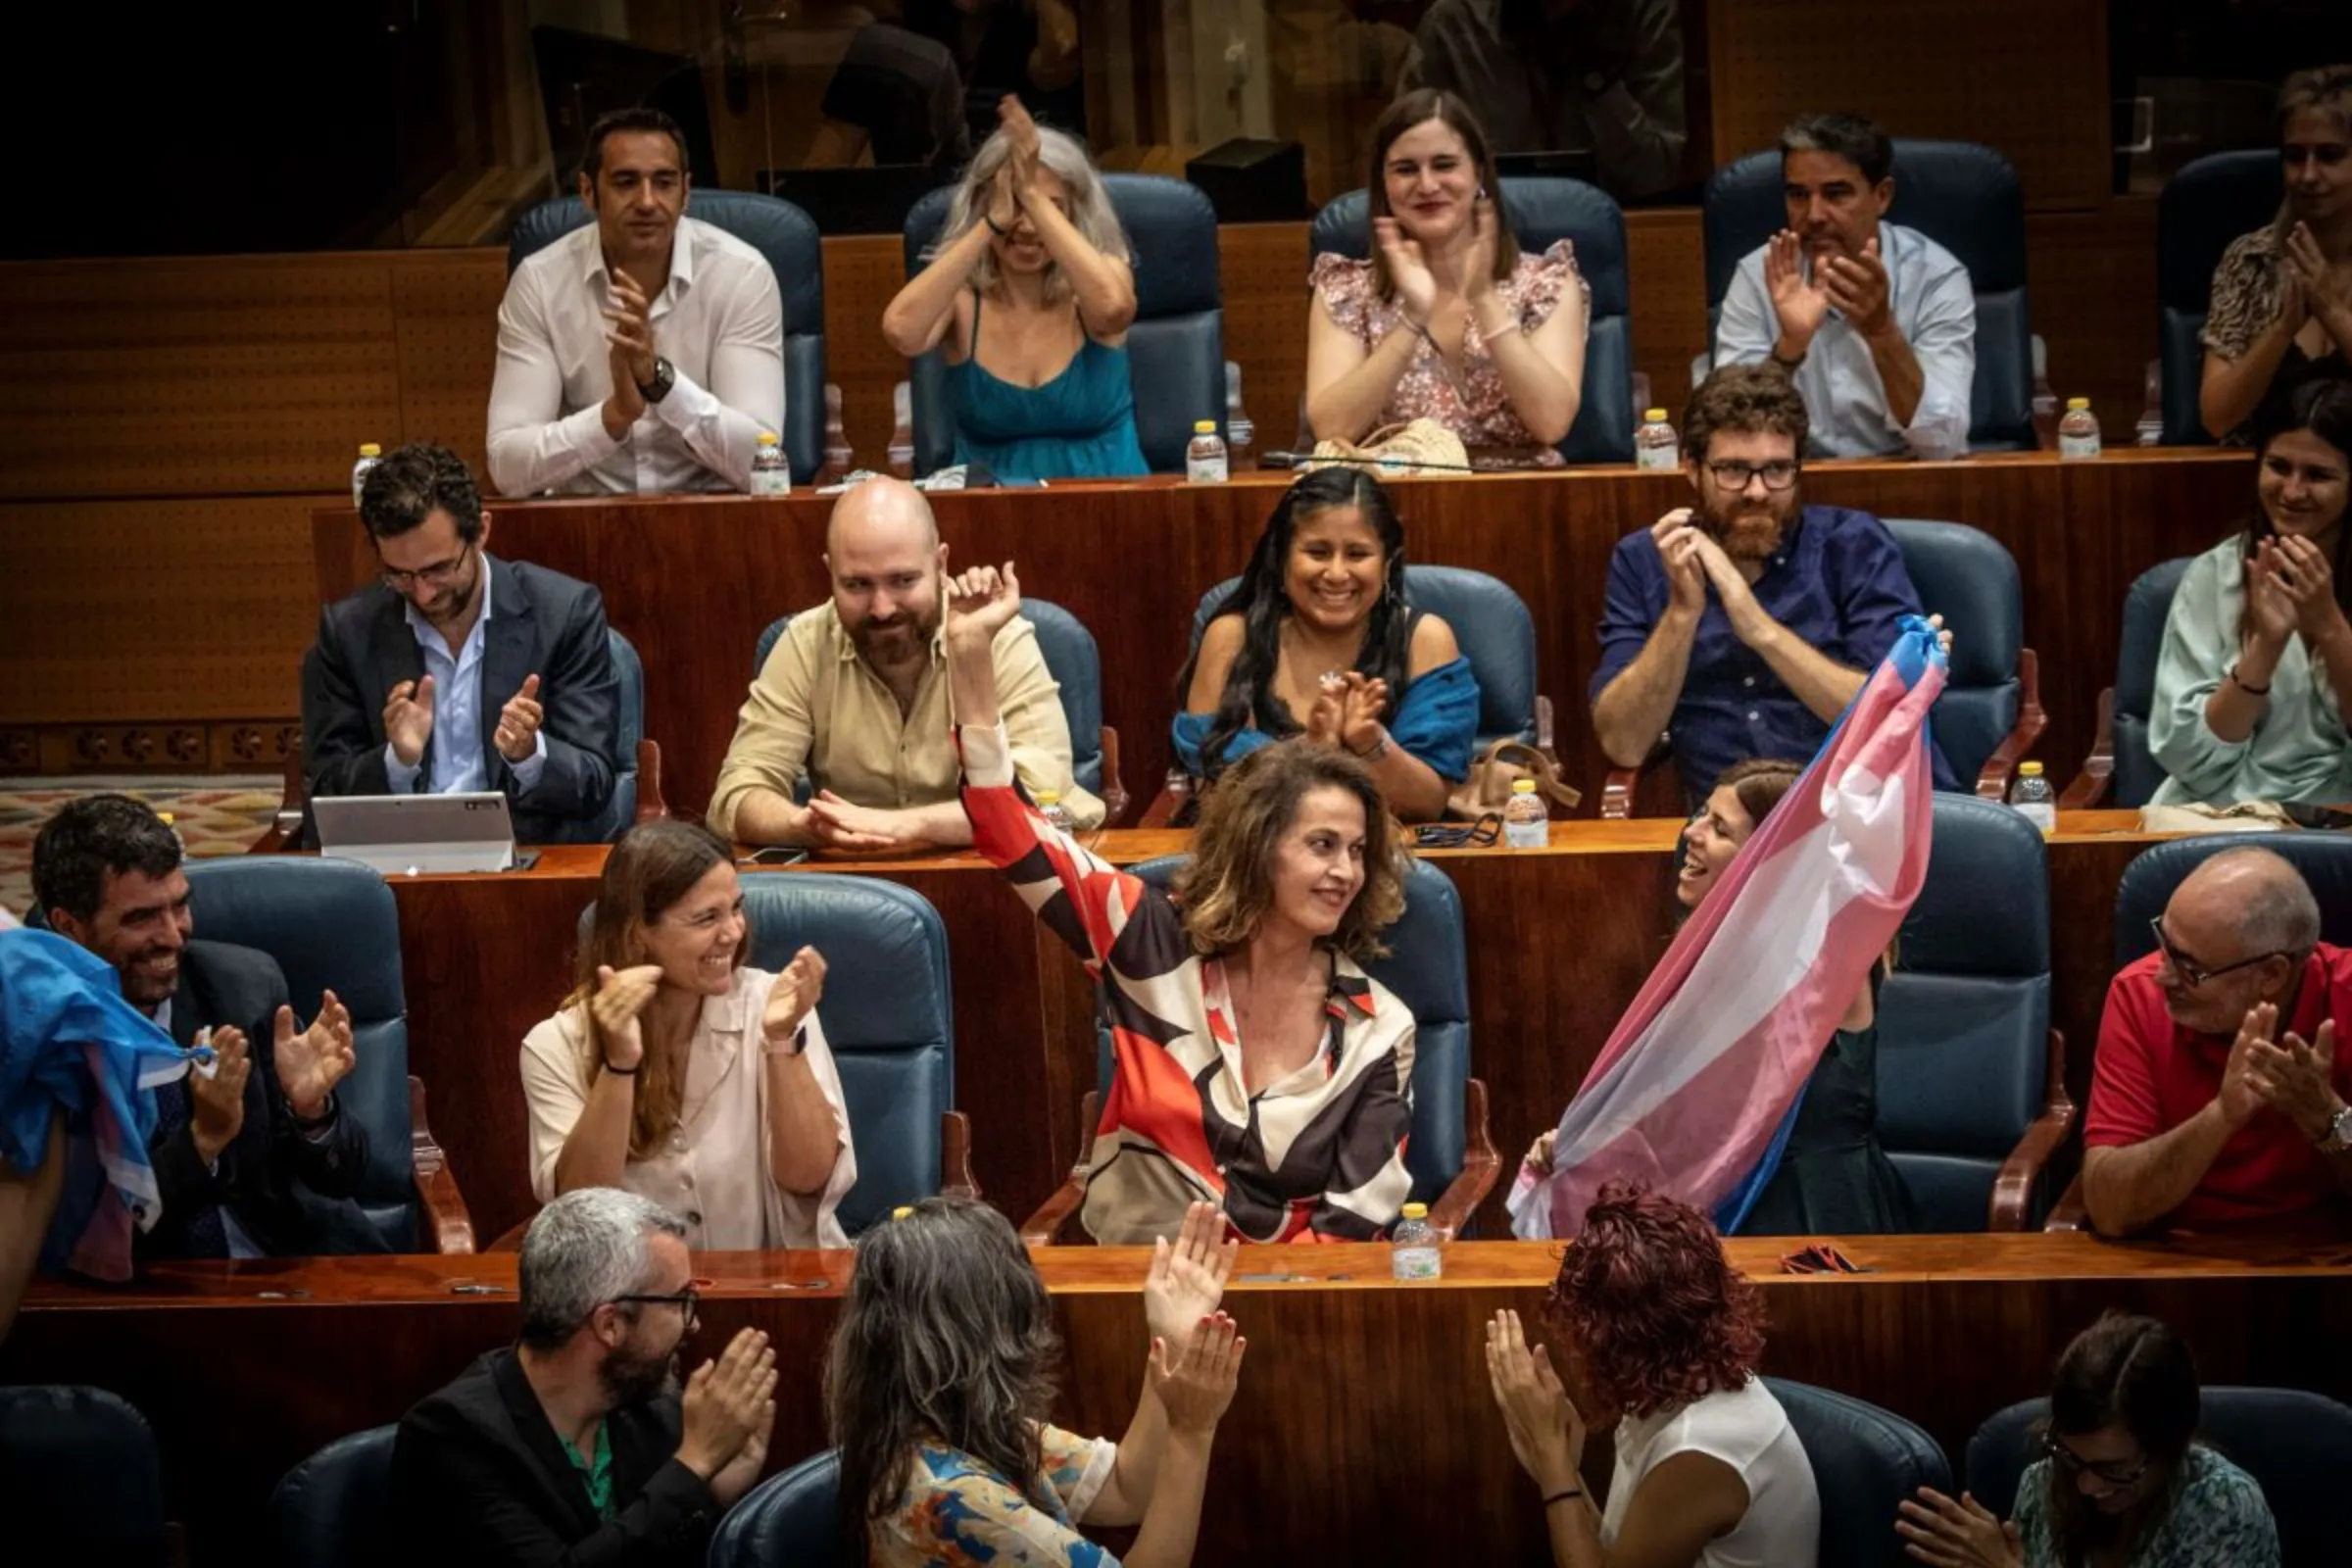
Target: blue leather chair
x=793, y=1517
x=333, y=1511
x=1175, y=346
x=333, y=923
x=1542, y=211
x=1961, y=195
x=2297, y=1444
x=1989, y=714
x=2155, y=872
x=788, y=238
x=2119, y=758
x=1865, y=1460
x=1972, y=1078
x=84, y=1463
x=2204, y=206
x=1451, y=1156
x=1076, y=665
x=637, y=776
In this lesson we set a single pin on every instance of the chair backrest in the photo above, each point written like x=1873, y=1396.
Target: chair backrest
x=1964, y=1017
x=2205, y=206
x=1428, y=969
x=1175, y=346
x=1966, y=575
x=787, y=237
x=79, y=1464
x=794, y=1517
x=332, y=924
x=1963, y=196
x=1491, y=624
x=2324, y=859
x=331, y=1510
x=2147, y=605
x=621, y=811
x=1542, y=211
x=1071, y=657
x=1865, y=1460
x=2297, y=1444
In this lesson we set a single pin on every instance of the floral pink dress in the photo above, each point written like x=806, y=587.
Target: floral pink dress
x=1480, y=412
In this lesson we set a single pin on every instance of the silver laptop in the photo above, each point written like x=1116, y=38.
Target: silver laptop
x=412, y=835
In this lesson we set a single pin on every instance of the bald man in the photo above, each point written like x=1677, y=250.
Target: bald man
x=855, y=701
x=2219, y=1093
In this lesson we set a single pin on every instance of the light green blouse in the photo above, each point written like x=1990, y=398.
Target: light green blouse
x=2299, y=748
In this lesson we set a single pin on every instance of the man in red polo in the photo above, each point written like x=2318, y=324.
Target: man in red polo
x=2219, y=1093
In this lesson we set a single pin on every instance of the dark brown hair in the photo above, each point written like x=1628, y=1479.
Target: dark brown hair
x=414, y=482
x=1757, y=783
x=620, y=122
x=2130, y=1371
x=1417, y=108
x=1743, y=397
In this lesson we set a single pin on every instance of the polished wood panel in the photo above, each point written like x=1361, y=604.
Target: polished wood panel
x=1363, y=1431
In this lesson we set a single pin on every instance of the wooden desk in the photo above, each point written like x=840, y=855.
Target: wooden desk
x=1363, y=1431
x=692, y=580
x=1560, y=941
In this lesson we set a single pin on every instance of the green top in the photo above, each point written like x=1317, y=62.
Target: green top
x=597, y=1477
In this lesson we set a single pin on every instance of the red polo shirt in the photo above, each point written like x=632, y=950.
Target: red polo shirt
x=2151, y=1075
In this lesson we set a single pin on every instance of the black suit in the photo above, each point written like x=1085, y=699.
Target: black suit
x=265, y=1172
x=479, y=1476
x=542, y=623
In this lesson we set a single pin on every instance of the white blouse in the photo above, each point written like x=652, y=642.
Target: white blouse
x=1749, y=1430
x=713, y=1174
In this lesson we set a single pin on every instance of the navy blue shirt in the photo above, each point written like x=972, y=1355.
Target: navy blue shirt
x=1838, y=581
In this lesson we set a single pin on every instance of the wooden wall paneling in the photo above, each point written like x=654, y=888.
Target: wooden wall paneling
x=1263, y=270
x=1668, y=268
x=445, y=314
x=2091, y=282
x=864, y=272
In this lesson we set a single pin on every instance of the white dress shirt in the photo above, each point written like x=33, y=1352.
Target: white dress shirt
x=1935, y=308
x=459, y=761
x=719, y=322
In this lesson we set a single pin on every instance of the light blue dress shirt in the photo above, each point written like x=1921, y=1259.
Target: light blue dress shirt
x=1935, y=308
x=459, y=751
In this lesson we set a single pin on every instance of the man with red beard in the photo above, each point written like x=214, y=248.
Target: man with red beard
x=1744, y=625
x=854, y=701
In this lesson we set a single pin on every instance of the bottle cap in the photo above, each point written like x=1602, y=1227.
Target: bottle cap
x=1048, y=798
x=767, y=438
x=1416, y=1211
x=368, y=449
x=1658, y=415
x=165, y=817
x=2076, y=403
x=1205, y=427
x=2028, y=769
x=901, y=1211
x=1523, y=785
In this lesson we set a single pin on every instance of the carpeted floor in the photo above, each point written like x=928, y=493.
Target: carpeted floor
x=216, y=813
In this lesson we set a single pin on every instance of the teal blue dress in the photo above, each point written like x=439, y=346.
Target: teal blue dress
x=1079, y=425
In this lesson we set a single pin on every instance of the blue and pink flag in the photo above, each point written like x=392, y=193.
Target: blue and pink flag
x=1695, y=1089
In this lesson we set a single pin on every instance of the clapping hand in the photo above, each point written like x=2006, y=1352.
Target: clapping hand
x=518, y=734
x=792, y=997
x=1547, y=1435
x=1800, y=302
x=2295, y=1078
x=2299, y=569
x=217, y=1108
x=1020, y=136
x=1965, y=1533
x=1362, y=699
x=629, y=332
x=620, y=1000
x=1187, y=1275
x=2324, y=291
x=730, y=1407
x=1676, y=539
x=1194, y=1384
x=1409, y=270
x=2271, y=612
x=1857, y=286
x=1749, y=621
x=408, y=719
x=311, y=1062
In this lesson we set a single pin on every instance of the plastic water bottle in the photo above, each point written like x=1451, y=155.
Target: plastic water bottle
x=1526, y=820
x=901, y=452
x=2032, y=798
x=1655, y=445
x=2078, y=431
x=369, y=455
x=1205, y=458
x=1049, y=807
x=771, y=475
x=1413, y=1246
x=1241, y=432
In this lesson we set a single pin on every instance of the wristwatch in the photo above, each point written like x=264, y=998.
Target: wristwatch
x=665, y=377
x=2339, y=1132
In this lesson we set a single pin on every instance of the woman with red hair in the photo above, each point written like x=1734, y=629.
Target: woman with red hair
x=1658, y=1335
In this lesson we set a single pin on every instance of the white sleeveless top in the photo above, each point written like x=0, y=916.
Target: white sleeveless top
x=1749, y=1432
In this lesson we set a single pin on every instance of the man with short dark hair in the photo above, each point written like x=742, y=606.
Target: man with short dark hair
x=1875, y=321
x=643, y=352
x=1744, y=625
x=573, y=1446
x=2220, y=1090
x=460, y=671
x=235, y=1150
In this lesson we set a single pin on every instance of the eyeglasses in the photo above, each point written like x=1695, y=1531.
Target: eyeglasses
x=437, y=575
x=1735, y=476
x=1474, y=835
x=687, y=1301
x=2120, y=1472
x=2193, y=974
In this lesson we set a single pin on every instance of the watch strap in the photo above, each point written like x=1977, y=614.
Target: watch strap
x=2338, y=1137
x=666, y=376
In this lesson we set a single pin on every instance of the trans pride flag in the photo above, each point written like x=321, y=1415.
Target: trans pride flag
x=1695, y=1091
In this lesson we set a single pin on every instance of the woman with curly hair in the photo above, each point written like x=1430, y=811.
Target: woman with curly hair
x=1256, y=1066
x=941, y=1373
x=1660, y=1335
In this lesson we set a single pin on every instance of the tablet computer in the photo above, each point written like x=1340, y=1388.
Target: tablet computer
x=411, y=835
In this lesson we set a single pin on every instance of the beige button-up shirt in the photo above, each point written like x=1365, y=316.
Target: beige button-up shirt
x=818, y=710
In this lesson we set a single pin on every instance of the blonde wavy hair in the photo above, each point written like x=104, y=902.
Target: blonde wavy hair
x=1090, y=211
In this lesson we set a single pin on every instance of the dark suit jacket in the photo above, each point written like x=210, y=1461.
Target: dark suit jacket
x=264, y=1172
x=479, y=1476
x=541, y=621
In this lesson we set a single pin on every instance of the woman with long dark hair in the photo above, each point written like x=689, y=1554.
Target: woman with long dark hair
x=1319, y=639
x=2123, y=1483
x=2253, y=697
x=940, y=1377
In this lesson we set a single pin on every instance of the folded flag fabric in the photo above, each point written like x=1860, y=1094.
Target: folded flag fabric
x=1693, y=1094
x=68, y=1038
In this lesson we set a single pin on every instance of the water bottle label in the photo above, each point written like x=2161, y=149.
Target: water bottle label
x=1416, y=1264
x=1205, y=470
x=1528, y=835
x=772, y=482
x=2078, y=446
x=1661, y=458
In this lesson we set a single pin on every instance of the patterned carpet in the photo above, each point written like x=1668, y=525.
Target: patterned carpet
x=216, y=815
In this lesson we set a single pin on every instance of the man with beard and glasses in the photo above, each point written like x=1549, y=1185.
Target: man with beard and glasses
x=255, y=1158
x=1877, y=322
x=461, y=671
x=574, y=1445
x=854, y=700
x=1744, y=625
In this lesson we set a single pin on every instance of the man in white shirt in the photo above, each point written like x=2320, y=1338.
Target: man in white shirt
x=644, y=352
x=1876, y=322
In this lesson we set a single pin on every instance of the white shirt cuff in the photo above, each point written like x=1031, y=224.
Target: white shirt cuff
x=402, y=776
x=987, y=755
x=527, y=771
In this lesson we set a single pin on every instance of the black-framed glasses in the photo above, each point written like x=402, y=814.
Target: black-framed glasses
x=2118, y=1472
x=1731, y=476
x=2193, y=974
x=687, y=1301
x=439, y=575
x=1459, y=835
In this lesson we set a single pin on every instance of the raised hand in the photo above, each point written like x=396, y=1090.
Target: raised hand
x=1965, y=1533
x=1322, y=722
x=1801, y=302
x=2241, y=1093
x=2270, y=611
x=621, y=999
x=1362, y=701
x=1187, y=1278
x=629, y=332
x=311, y=1063
x=2297, y=1079
x=408, y=719
x=2324, y=291
x=981, y=601
x=1547, y=1435
x=1857, y=286
x=217, y=1104
x=1021, y=136
x=1539, y=1152
x=728, y=1402
x=1678, y=540
x=792, y=997
x=518, y=734
x=1748, y=617
x=1409, y=270
x=1196, y=1384
x=2301, y=570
